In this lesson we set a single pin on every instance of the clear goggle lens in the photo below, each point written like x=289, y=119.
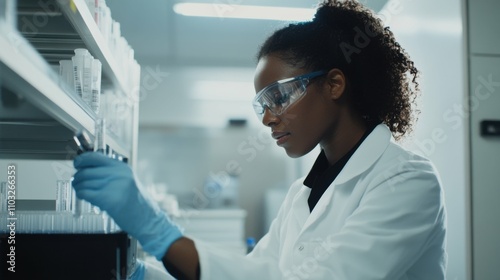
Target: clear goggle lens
x=280, y=95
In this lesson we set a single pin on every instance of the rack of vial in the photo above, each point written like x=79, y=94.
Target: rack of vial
x=111, y=32
x=61, y=222
x=83, y=74
x=72, y=215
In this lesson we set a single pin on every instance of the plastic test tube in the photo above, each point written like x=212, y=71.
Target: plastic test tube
x=96, y=85
x=83, y=141
x=78, y=61
x=62, y=196
x=80, y=206
x=100, y=135
x=82, y=66
x=76, y=204
x=66, y=73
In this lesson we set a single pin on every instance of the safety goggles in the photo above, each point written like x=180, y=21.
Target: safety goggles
x=280, y=95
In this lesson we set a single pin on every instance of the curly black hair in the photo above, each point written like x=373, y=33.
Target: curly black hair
x=350, y=37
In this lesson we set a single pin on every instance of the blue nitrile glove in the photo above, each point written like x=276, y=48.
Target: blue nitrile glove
x=110, y=185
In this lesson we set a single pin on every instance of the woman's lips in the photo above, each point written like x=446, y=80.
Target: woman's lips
x=281, y=137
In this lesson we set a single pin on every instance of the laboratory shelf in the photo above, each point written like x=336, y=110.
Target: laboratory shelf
x=39, y=115
x=43, y=126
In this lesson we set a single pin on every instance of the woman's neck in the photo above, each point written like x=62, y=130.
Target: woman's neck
x=343, y=138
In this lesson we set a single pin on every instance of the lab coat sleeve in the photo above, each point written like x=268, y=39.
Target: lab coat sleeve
x=398, y=218
x=216, y=263
x=261, y=262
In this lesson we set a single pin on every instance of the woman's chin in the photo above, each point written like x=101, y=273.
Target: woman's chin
x=294, y=154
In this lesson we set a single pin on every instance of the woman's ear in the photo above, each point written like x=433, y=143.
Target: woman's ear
x=336, y=83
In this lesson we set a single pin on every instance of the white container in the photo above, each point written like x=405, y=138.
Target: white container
x=82, y=70
x=226, y=228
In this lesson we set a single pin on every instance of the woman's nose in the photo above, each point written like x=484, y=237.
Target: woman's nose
x=268, y=118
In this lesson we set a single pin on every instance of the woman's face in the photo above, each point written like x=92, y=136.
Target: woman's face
x=305, y=123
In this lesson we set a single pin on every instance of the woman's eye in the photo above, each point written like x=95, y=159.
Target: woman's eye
x=279, y=97
x=286, y=90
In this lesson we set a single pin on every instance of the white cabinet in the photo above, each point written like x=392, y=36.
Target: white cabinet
x=484, y=25
x=485, y=163
x=223, y=227
x=484, y=105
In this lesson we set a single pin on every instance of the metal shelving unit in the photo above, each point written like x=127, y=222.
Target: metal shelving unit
x=39, y=114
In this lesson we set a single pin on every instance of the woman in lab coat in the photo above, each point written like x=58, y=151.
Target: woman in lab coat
x=368, y=209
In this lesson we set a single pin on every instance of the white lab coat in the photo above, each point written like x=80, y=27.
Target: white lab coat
x=383, y=217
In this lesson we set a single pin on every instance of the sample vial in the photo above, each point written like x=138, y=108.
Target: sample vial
x=82, y=71
x=96, y=85
x=66, y=73
x=78, y=61
x=63, y=195
x=100, y=135
x=76, y=205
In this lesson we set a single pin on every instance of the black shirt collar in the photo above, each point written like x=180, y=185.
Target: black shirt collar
x=322, y=173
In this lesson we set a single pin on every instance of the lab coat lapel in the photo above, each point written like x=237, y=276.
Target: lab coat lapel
x=301, y=208
x=365, y=156
x=320, y=207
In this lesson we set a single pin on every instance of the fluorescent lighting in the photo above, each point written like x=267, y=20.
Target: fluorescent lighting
x=244, y=11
